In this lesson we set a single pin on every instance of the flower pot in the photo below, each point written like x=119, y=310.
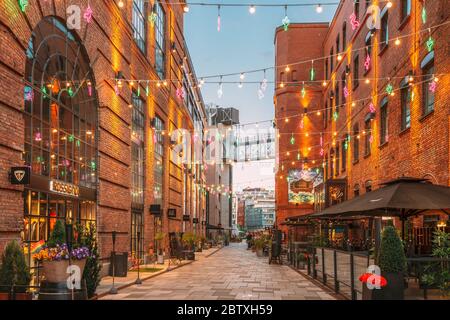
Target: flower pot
x=56, y=271
x=394, y=289
x=259, y=252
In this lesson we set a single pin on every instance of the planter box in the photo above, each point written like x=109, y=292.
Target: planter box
x=56, y=271
x=394, y=290
x=259, y=252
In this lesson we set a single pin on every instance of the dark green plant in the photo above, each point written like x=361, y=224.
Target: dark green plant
x=188, y=239
x=259, y=243
x=438, y=274
x=392, y=255
x=58, y=235
x=91, y=273
x=14, y=270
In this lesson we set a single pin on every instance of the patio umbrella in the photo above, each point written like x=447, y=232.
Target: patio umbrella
x=403, y=197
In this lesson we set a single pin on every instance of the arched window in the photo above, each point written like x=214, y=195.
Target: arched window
x=60, y=106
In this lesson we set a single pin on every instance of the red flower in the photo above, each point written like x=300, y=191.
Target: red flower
x=374, y=279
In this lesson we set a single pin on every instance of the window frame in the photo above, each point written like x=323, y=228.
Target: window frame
x=428, y=77
x=139, y=25
x=405, y=105
x=384, y=121
x=160, y=39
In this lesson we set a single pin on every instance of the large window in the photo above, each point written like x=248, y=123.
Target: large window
x=138, y=22
x=405, y=97
x=160, y=33
x=137, y=234
x=367, y=137
x=405, y=9
x=344, y=147
x=60, y=116
x=428, y=87
x=331, y=61
x=137, y=152
x=344, y=36
x=368, y=51
x=384, y=121
x=338, y=158
x=137, y=176
x=159, y=161
x=384, y=34
x=356, y=72
x=356, y=143
x=356, y=4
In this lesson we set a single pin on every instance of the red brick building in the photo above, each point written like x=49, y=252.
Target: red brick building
x=384, y=106
x=99, y=148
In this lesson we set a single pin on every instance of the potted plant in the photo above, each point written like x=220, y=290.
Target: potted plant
x=259, y=246
x=199, y=243
x=159, y=237
x=392, y=262
x=437, y=275
x=188, y=240
x=91, y=273
x=14, y=272
x=55, y=256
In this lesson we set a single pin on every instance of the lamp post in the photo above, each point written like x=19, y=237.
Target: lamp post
x=138, y=280
x=113, y=289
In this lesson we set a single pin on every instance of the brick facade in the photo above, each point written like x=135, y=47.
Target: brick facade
x=420, y=151
x=110, y=46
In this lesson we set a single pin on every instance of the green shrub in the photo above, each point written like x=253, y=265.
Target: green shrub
x=438, y=274
x=392, y=255
x=58, y=235
x=14, y=270
x=259, y=243
x=91, y=273
x=188, y=239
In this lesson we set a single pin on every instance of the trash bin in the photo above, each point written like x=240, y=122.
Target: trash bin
x=120, y=260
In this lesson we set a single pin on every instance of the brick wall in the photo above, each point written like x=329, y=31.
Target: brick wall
x=111, y=48
x=422, y=150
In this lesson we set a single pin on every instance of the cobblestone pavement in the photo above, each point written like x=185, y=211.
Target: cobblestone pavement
x=233, y=273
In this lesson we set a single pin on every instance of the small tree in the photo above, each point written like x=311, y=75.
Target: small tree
x=91, y=273
x=58, y=235
x=438, y=274
x=392, y=257
x=14, y=270
x=159, y=237
x=188, y=239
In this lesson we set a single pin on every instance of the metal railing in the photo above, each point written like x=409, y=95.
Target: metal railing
x=339, y=270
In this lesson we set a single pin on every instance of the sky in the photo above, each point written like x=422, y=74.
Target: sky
x=245, y=42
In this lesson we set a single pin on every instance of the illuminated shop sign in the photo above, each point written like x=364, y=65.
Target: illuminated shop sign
x=64, y=188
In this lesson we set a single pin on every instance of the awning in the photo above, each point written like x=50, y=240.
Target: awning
x=402, y=197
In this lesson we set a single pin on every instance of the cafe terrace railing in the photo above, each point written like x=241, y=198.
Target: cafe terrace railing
x=339, y=270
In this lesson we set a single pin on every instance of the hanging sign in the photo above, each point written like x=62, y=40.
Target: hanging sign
x=20, y=175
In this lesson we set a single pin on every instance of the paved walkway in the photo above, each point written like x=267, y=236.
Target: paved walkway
x=231, y=273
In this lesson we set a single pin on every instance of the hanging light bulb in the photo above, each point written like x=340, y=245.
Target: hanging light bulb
x=319, y=8
x=324, y=83
x=240, y=85
x=186, y=8
x=339, y=57
x=397, y=42
x=252, y=9
x=389, y=4
x=120, y=4
x=287, y=69
x=242, y=76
